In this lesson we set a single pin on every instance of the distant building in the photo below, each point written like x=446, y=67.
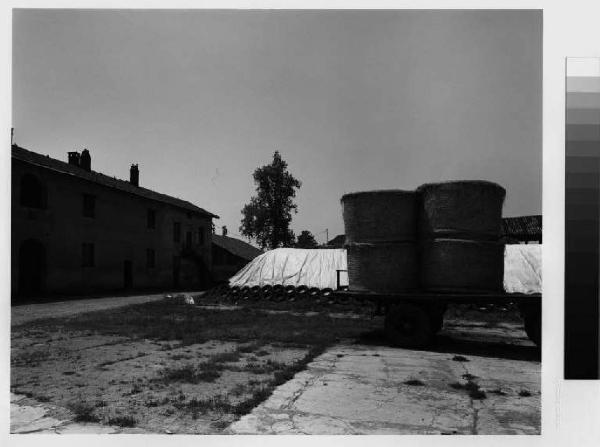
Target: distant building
x=522, y=229
x=336, y=242
x=75, y=230
x=230, y=255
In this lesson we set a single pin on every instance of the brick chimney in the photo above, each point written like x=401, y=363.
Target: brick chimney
x=74, y=158
x=85, y=161
x=134, y=175
x=224, y=228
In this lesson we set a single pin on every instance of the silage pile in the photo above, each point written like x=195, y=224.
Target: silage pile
x=293, y=267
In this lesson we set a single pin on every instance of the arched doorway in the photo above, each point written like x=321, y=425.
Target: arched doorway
x=32, y=267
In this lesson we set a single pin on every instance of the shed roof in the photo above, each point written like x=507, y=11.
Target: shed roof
x=236, y=247
x=53, y=164
x=522, y=226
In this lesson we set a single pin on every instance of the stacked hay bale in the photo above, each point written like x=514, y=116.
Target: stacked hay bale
x=443, y=237
x=381, y=240
x=459, y=231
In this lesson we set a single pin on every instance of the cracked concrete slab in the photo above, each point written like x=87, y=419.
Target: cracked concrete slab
x=359, y=389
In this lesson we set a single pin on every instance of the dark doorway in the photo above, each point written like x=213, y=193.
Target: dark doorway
x=176, y=270
x=32, y=267
x=128, y=274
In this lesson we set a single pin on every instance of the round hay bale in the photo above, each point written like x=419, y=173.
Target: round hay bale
x=452, y=265
x=461, y=210
x=380, y=216
x=383, y=268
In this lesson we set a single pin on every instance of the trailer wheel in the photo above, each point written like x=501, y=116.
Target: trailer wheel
x=436, y=316
x=533, y=327
x=532, y=317
x=408, y=325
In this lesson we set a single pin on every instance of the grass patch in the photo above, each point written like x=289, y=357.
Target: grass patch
x=472, y=389
x=460, y=358
x=469, y=377
x=83, y=412
x=498, y=392
x=205, y=372
x=164, y=320
x=122, y=421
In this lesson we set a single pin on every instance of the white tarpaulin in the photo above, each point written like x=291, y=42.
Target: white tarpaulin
x=295, y=267
x=317, y=268
x=523, y=268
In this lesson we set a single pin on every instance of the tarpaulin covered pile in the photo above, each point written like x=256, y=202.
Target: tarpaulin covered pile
x=317, y=268
x=295, y=267
x=523, y=268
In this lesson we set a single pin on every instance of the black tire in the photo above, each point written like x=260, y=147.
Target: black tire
x=533, y=327
x=436, y=316
x=408, y=325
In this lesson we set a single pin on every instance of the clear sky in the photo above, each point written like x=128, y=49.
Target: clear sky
x=353, y=100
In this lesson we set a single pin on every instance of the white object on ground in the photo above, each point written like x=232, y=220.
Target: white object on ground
x=317, y=268
x=523, y=268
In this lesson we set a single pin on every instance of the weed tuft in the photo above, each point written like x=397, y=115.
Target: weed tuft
x=123, y=421
x=460, y=358
x=83, y=412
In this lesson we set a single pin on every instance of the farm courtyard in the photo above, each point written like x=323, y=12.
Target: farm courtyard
x=159, y=366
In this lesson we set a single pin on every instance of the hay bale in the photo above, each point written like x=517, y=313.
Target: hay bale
x=461, y=210
x=383, y=268
x=380, y=216
x=451, y=265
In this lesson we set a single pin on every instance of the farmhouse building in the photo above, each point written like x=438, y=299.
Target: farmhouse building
x=75, y=230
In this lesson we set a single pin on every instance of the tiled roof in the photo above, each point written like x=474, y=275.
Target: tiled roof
x=65, y=168
x=236, y=247
x=522, y=226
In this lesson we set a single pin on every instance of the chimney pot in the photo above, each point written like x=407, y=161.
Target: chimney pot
x=134, y=175
x=224, y=228
x=85, y=161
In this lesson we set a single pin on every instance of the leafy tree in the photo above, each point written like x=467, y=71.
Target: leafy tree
x=306, y=240
x=268, y=215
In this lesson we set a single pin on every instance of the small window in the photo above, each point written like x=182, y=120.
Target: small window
x=200, y=236
x=176, y=232
x=150, y=258
x=89, y=205
x=151, y=219
x=32, y=192
x=188, y=239
x=87, y=255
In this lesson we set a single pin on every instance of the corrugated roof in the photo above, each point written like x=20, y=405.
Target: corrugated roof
x=47, y=162
x=236, y=247
x=522, y=226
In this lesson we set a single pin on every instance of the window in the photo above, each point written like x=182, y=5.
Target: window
x=87, y=255
x=150, y=258
x=151, y=219
x=188, y=239
x=89, y=205
x=32, y=192
x=176, y=232
x=201, y=236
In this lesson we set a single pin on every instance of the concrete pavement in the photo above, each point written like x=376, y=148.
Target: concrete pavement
x=358, y=389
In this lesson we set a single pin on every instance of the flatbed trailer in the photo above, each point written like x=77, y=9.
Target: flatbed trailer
x=413, y=318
